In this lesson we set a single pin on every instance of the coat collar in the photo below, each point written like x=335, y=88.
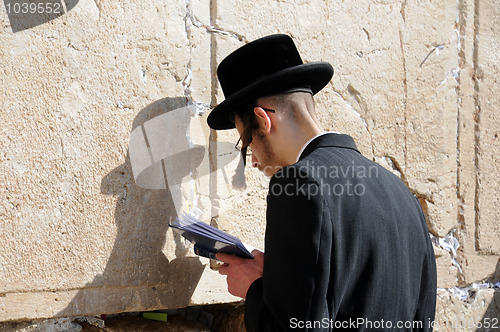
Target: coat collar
x=329, y=140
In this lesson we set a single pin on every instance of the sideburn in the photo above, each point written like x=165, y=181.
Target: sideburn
x=251, y=126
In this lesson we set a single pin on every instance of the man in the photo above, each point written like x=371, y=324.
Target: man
x=346, y=243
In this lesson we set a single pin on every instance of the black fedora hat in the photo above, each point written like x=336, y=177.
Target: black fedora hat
x=266, y=66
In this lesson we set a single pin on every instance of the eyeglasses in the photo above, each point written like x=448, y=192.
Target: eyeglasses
x=268, y=110
x=246, y=150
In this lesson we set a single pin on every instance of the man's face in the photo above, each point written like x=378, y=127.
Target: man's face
x=263, y=156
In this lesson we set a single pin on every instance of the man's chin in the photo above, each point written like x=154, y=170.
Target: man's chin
x=268, y=171
x=263, y=170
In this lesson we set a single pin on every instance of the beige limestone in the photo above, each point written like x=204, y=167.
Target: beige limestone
x=479, y=313
x=431, y=61
x=475, y=45
x=77, y=225
x=446, y=271
x=415, y=85
x=466, y=175
x=487, y=130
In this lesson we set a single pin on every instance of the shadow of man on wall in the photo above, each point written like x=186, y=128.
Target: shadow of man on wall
x=138, y=276
x=491, y=318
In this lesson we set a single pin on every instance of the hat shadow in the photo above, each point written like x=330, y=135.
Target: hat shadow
x=137, y=269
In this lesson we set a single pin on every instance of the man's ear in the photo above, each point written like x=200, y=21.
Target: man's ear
x=263, y=118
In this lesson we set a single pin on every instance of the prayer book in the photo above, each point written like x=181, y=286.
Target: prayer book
x=208, y=240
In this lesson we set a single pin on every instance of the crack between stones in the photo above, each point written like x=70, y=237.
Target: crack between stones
x=218, y=30
x=190, y=20
x=460, y=30
x=451, y=244
x=186, y=82
x=460, y=27
x=402, y=10
x=477, y=119
x=213, y=28
x=212, y=139
x=356, y=95
x=392, y=161
x=468, y=293
x=434, y=49
x=397, y=167
x=405, y=99
x=201, y=107
x=71, y=289
x=423, y=199
x=360, y=54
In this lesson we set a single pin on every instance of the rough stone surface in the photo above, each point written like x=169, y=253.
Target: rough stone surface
x=115, y=324
x=478, y=313
x=83, y=236
x=415, y=84
x=431, y=62
x=218, y=318
x=487, y=130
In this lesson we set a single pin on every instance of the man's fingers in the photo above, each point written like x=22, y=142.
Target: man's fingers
x=257, y=254
x=226, y=258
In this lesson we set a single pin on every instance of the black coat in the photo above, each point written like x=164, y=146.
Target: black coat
x=346, y=246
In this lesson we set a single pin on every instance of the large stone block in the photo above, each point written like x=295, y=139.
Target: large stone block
x=466, y=171
x=79, y=236
x=487, y=127
x=476, y=40
x=431, y=65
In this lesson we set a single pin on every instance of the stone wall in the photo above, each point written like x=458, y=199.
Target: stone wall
x=415, y=84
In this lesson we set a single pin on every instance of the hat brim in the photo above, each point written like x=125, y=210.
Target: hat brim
x=315, y=74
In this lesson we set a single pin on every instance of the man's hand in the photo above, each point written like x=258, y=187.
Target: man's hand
x=241, y=272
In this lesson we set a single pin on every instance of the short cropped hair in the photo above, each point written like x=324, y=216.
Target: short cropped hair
x=249, y=119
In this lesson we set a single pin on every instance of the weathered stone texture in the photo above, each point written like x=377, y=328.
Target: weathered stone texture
x=415, y=84
x=466, y=175
x=82, y=235
x=479, y=313
x=431, y=61
x=447, y=272
x=487, y=127
x=476, y=265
